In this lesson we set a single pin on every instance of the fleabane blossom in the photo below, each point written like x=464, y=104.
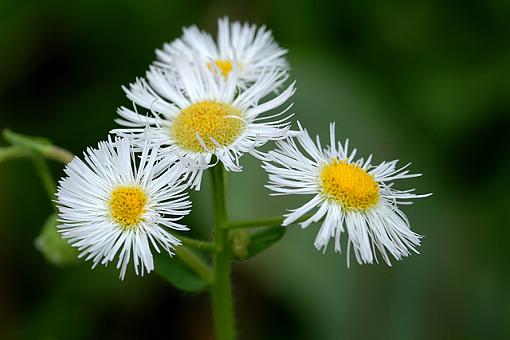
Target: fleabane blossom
x=349, y=195
x=195, y=116
x=244, y=46
x=114, y=204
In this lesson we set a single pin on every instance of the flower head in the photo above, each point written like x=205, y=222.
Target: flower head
x=109, y=206
x=250, y=49
x=350, y=195
x=195, y=116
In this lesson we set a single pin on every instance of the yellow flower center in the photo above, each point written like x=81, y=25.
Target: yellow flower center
x=127, y=204
x=224, y=65
x=349, y=185
x=210, y=120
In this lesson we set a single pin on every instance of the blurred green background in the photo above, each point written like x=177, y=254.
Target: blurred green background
x=421, y=81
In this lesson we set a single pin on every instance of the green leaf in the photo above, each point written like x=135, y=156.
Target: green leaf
x=55, y=249
x=259, y=240
x=175, y=271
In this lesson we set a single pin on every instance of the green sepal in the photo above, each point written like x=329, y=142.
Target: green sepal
x=55, y=249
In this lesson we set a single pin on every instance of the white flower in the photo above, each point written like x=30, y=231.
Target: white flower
x=108, y=206
x=252, y=50
x=206, y=117
x=351, y=194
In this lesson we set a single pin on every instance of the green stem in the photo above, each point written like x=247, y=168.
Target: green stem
x=39, y=145
x=264, y=222
x=60, y=155
x=221, y=289
x=195, y=263
x=45, y=175
x=201, y=245
x=13, y=152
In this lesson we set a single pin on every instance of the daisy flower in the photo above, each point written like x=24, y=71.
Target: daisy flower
x=349, y=194
x=205, y=117
x=252, y=50
x=110, y=207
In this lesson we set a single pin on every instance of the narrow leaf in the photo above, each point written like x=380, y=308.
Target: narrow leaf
x=262, y=238
x=175, y=271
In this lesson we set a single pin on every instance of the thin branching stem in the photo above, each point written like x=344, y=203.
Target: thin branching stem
x=194, y=262
x=264, y=222
x=47, y=180
x=201, y=245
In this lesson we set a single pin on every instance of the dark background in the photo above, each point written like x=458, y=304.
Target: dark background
x=421, y=81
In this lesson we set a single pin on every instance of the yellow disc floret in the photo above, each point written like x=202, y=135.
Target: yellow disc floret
x=349, y=185
x=127, y=204
x=207, y=120
x=223, y=65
